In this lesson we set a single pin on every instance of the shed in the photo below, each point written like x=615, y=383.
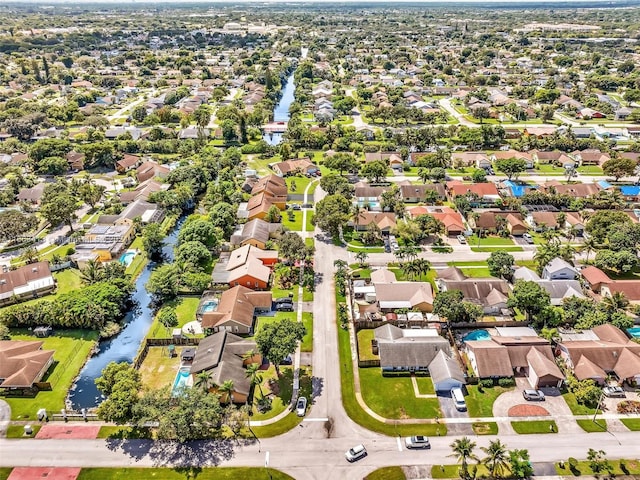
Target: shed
x=445, y=373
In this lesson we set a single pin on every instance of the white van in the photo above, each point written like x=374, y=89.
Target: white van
x=458, y=399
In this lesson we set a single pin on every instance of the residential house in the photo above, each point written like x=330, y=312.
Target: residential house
x=392, y=295
x=367, y=196
x=487, y=193
x=541, y=221
x=151, y=169
x=23, y=363
x=450, y=218
x=236, y=310
x=194, y=133
x=630, y=289
x=299, y=166
x=390, y=158
x=558, y=290
x=576, y=190
x=555, y=157
x=247, y=265
x=559, y=269
x=445, y=373
x=539, y=132
x=418, y=193
x=32, y=195
x=409, y=350
x=492, y=221
x=468, y=159
x=622, y=114
x=594, y=277
x=274, y=187
x=224, y=356
x=29, y=281
x=588, y=113
x=107, y=240
x=490, y=293
x=507, y=154
x=590, y=156
x=606, y=350
x=143, y=191
x=385, y=221
x=255, y=232
x=114, y=132
x=76, y=160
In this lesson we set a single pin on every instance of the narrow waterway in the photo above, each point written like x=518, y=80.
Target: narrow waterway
x=124, y=346
x=281, y=111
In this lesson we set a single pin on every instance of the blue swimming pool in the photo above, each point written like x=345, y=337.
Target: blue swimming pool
x=210, y=305
x=127, y=257
x=180, y=382
x=477, y=335
x=634, y=332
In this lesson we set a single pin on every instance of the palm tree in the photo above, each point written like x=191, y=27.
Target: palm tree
x=409, y=269
x=463, y=451
x=422, y=266
x=496, y=459
x=340, y=264
x=226, y=389
x=203, y=380
x=589, y=245
x=254, y=376
x=30, y=255
x=362, y=257
x=615, y=302
x=92, y=273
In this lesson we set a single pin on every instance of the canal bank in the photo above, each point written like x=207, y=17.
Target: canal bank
x=124, y=346
x=281, y=111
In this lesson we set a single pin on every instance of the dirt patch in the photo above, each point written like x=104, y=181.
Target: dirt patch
x=29, y=473
x=527, y=411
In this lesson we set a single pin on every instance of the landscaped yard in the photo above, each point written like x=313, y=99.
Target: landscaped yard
x=279, y=400
x=307, y=341
x=72, y=347
x=364, y=345
x=480, y=402
x=631, y=467
x=158, y=369
x=393, y=397
x=425, y=386
x=181, y=473
x=535, y=426
x=295, y=224
x=453, y=471
x=387, y=473
x=139, y=261
x=576, y=408
x=299, y=182
x=186, y=308
x=492, y=243
x=591, y=426
x=631, y=423
x=476, y=271
x=485, y=428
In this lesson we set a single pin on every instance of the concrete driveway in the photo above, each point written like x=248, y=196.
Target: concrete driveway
x=5, y=417
x=449, y=410
x=611, y=406
x=554, y=404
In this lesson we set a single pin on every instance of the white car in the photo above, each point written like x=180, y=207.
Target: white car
x=356, y=453
x=613, y=391
x=533, y=395
x=527, y=237
x=461, y=239
x=417, y=441
x=301, y=406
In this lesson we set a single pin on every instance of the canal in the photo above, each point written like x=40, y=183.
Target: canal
x=124, y=346
x=281, y=111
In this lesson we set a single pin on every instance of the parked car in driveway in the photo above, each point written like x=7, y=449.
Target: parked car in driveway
x=533, y=395
x=461, y=239
x=527, y=237
x=283, y=300
x=613, y=391
x=417, y=441
x=356, y=453
x=301, y=406
x=284, y=307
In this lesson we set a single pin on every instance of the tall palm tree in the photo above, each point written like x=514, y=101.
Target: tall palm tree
x=92, y=273
x=409, y=269
x=362, y=257
x=463, y=451
x=496, y=459
x=422, y=266
x=589, y=245
x=254, y=376
x=203, y=380
x=615, y=302
x=226, y=389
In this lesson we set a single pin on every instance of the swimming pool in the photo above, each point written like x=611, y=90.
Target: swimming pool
x=210, y=305
x=127, y=257
x=477, y=335
x=180, y=382
x=634, y=332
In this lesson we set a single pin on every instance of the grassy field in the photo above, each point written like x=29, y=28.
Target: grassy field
x=158, y=369
x=279, y=401
x=575, y=407
x=72, y=347
x=425, y=386
x=591, y=426
x=139, y=261
x=489, y=244
x=185, y=311
x=631, y=423
x=393, y=397
x=387, y=473
x=476, y=272
x=300, y=184
x=17, y=431
x=308, y=227
x=67, y=280
x=480, y=403
x=485, y=428
x=364, y=345
x=453, y=471
x=632, y=467
x=217, y=473
x=5, y=472
x=307, y=341
x=535, y=426
x=294, y=225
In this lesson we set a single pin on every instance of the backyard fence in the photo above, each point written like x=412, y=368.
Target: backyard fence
x=161, y=342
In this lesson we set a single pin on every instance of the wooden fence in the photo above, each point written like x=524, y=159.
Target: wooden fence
x=161, y=342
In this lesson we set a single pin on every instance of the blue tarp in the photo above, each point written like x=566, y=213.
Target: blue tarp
x=630, y=190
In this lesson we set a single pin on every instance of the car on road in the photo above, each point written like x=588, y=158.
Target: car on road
x=301, y=406
x=461, y=239
x=356, y=453
x=613, y=391
x=296, y=206
x=527, y=237
x=533, y=395
x=284, y=307
x=417, y=441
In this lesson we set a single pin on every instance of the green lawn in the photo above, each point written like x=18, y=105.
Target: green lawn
x=575, y=407
x=128, y=433
x=261, y=321
x=590, y=426
x=294, y=225
x=487, y=244
x=181, y=473
x=485, y=428
x=5, y=472
x=393, y=397
x=632, y=467
x=72, y=347
x=282, y=426
x=307, y=295
x=590, y=170
x=476, y=272
x=185, y=310
x=362, y=273
x=535, y=426
x=158, y=369
x=309, y=227
x=354, y=410
x=425, y=386
x=279, y=401
x=307, y=341
x=631, y=423
x=364, y=344
x=480, y=403
x=549, y=169
x=299, y=182
x=356, y=249
x=17, y=431
x=453, y=471
x=387, y=473
x=139, y=261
